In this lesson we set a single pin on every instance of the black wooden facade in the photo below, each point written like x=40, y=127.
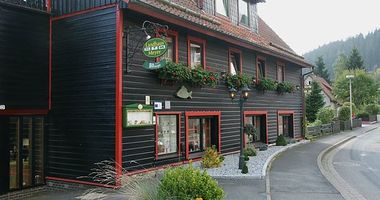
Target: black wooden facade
x=82, y=119
x=24, y=58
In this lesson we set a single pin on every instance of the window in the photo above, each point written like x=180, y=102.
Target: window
x=280, y=72
x=196, y=52
x=222, y=7
x=172, y=52
x=235, y=61
x=167, y=131
x=243, y=12
x=260, y=68
x=259, y=121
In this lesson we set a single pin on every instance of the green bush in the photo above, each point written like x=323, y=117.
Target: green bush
x=354, y=109
x=281, y=141
x=363, y=114
x=249, y=151
x=237, y=81
x=245, y=168
x=285, y=87
x=316, y=123
x=245, y=156
x=372, y=109
x=211, y=158
x=344, y=113
x=326, y=115
x=188, y=183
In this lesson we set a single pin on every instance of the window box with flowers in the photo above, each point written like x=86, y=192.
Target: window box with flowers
x=285, y=87
x=196, y=77
x=266, y=84
x=237, y=81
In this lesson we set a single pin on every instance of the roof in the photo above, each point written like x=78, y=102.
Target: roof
x=266, y=39
x=325, y=86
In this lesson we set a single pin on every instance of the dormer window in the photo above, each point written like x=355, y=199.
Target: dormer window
x=243, y=12
x=222, y=7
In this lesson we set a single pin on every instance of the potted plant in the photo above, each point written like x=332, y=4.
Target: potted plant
x=266, y=84
x=237, y=81
x=285, y=87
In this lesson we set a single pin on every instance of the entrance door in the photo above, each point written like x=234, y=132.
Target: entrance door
x=259, y=122
x=24, y=160
x=202, y=133
x=285, y=125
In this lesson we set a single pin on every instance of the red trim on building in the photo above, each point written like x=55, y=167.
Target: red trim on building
x=258, y=113
x=119, y=95
x=201, y=114
x=237, y=51
x=198, y=41
x=84, y=11
x=79, y=182
x=178, y=131
x=48, y=6
x=260, y=58
x=24, y=112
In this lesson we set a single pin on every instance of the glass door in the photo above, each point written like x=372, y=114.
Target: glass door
x=25, y=145
x=202, y=134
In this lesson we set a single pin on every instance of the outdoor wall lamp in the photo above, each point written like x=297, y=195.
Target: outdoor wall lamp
x=244, y=94
x=298, y=87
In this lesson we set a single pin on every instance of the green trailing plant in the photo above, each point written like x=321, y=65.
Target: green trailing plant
x=325, y=115
x=249, y=151
x=180, y=72
x=281, y=141
x=245, y=168
x=266, y=84
x=211, y=158
x=237, y=81
x=316, y=123
x=363, y=115
x=344, y=113
x=285, y=87
x=189, y=183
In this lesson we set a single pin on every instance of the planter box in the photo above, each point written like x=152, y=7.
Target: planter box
x=370, y=118
x=345, y=125
x=326, y=128
x=335, y=126
x=357, y=123
x=313, y=130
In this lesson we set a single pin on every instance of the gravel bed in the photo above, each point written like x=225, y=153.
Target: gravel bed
x=256, y=164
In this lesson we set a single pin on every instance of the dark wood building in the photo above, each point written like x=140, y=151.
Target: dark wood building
x=82, y=62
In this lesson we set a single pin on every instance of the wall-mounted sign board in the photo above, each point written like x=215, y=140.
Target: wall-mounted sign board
x=155, y=47
x=137, y=115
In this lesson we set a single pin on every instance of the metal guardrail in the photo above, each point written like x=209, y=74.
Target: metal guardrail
x=34, y=4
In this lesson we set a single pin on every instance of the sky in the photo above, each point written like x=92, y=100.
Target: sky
x=307, y=24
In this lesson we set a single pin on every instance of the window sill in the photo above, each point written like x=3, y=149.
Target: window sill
x=168, y=156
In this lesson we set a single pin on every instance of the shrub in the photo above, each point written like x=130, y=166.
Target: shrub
x=211, y=158
x=363, y=115
x=354, y=109
x=344, y=113
x=372, y=109
x=249, y=151
x=245, y=168
x=188, y=183
x=316, y=123
x=251, y=132
x=266, y=84
x=326, y=115
x=280, y=141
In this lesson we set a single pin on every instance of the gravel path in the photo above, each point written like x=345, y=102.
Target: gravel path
x=256, y=164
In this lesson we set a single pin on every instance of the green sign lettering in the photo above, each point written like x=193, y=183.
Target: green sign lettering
x=155, y=47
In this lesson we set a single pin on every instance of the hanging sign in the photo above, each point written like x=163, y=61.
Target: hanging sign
x=155, y=47
x=154, y=65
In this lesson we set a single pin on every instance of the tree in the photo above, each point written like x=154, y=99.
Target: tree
x=321, y=70
x=364, y=88
x=355, y=61
x=340, y=65
x=314, y=102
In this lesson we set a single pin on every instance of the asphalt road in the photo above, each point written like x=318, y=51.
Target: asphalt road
x=358, y=163
x=295, y=174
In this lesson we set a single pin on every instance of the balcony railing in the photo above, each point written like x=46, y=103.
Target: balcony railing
x=34, y=4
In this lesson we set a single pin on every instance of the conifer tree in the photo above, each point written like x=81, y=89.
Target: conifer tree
x=321, y=70
x=355, y=61
x=314, y=102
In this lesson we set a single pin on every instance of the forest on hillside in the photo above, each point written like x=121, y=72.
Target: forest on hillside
x=368, y=46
